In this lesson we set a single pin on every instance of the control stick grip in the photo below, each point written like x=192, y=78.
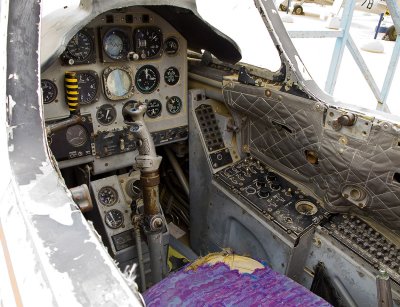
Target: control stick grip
x=133, y=113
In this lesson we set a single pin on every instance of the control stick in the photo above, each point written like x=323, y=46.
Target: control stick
x=148, y=163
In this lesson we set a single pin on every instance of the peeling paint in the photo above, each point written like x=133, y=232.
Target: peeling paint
x=11, y=105
x=13, y=76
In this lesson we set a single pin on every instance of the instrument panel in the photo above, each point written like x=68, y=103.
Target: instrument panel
x=122, y=55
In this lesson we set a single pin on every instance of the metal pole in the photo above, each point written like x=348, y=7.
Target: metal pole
x=138, y=241
x=339, y=47
x=178, y=170
x=379, y=25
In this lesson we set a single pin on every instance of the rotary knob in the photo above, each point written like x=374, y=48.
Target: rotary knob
x=275, y=186
x=262, y=180
x=264, y=191
x=271, y=176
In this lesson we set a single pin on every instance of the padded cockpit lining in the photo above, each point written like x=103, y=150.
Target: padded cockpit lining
x=369, y=164
x=199, y=34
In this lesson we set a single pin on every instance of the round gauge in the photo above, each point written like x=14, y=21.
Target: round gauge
x=88, y=85
x=76, y=135
x=133, y=190
x=148, y=42
x=118, y=83
x=80, y=47
x=306, y=207
x=154, y=108
x=49, y=91
x=174, y=105
x=171, y=46
x=116, y=44
x=114, y=218
x=171, y=76
x=108, y=196
x=106, y=114
x=147, y=79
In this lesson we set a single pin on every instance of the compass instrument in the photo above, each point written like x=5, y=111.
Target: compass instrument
x=147, y=79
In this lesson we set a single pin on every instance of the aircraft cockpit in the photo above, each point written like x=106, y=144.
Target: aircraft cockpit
x=167, y=147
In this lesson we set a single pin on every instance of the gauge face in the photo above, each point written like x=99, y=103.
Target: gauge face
x=154, y=108
x=171, y=46
x=49, y=91
x=118, y=83
x=108, y=196
x=133, y=190
x=106, y=114
x=88, y=86
x=148, y=42
x=147, y=79
x=80, y=47
x=116, y=44
x=174, y=105
x=114, y=218
x=306, y=207
x=76, y=135
x=171, y=76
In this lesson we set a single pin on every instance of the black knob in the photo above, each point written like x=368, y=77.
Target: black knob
x=262, y=180
x=271, y=176
x=275, y=186
x=264, y=191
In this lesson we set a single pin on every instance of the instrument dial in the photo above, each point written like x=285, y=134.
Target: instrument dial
x=79, y=48
x=118, y=82
x=133, y=189
x=171, y=46
x=114, y=218
x=106, y=114
x=116, y=44
x=148, y=42
x=154, y=108
x=76, y=135
x=171, y=76
x=88, y=86
x=174, y=105
x=49, y=91
x=108, y=196
x=147, y=79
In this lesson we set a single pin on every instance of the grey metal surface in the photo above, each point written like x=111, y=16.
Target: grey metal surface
x=232, y=224
x=200, y=181
x=370, y=164
x=39, y=217
x=346, y=268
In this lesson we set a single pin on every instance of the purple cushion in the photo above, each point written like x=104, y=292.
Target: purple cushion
x=218, y=285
